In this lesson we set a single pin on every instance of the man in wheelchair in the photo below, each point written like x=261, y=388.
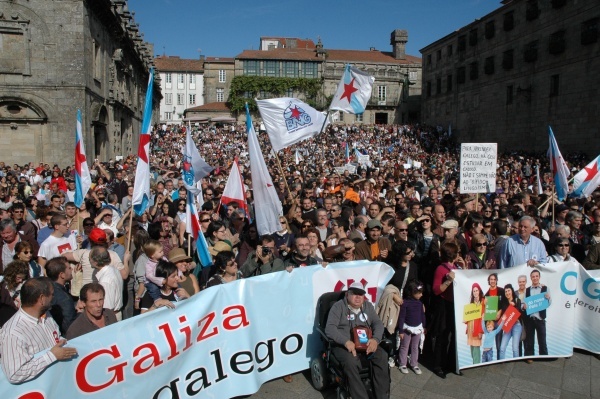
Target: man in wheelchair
x=356, y=331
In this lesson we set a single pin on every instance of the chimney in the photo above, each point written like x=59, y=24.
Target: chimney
x=398, y=40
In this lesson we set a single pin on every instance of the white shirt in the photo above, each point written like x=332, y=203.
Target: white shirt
x=53, y=246
x=110, y=278
x=21, y=338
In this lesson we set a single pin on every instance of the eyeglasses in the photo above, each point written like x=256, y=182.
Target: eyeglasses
x=283, y=223
x=205, y=220
x=26, y=252
x=401, y=229
x=563, y=245
x=426, y=221
x=481, y=244
x=306, y=225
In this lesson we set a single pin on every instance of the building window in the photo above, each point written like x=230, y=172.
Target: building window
x=557, y=42
x=509, y=21
x=473, y=37
x=438, y=55
x=532, y=10
x=412, y=76
x=97, y=61
x=309, y=70
x=169, y=98
x=222, y=76
x=558, y=3
x=438, y=86
x=168, y=116
x=359, y=117
x=462, y=43
x=289, y=92
x=554, y=85
x=181, y=78
x=192, y=79
x=509, y=94
x=250, y=68
x=428, y=59
x=449, y=50
x=473, y=70
x=220, y=95
x=490, y=29
x=249, y=94
x=179, y=99
x=449, y=83
x=530, y=53
x=428, y=89
x=381, y=93
x=192, y=99
x=507, y=59
x=461, y=75
x=271, y=68
x=290, y=69
x=589, y=31
x=168, y=78
x=488, y=66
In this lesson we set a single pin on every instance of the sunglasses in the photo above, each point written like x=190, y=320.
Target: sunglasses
x=481, y=244
x=426, y=221
x=26, y=252
x=205, y=220
x=401, y=229
x=563, y=245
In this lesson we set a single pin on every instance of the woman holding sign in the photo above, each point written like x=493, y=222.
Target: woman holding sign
x=513, y=326
x=474, y=329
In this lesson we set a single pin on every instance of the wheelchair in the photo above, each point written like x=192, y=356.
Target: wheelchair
x=326, y=370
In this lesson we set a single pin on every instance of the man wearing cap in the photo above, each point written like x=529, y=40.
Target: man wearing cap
x=450, y=228
x=354, y=311
x=523, y=247
x=374, y=247
x=97, y=237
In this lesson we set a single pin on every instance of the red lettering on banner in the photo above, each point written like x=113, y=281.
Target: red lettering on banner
x=118, y=369
x=187, y=330
x=166, y=329
x=227, y=322
x=32, y=395
x=154, y=355
x=209, y=319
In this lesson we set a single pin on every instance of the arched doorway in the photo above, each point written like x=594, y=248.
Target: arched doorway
x=22, y=128
x=99, y=125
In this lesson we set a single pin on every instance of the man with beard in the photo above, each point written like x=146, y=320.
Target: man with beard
x=31, y=331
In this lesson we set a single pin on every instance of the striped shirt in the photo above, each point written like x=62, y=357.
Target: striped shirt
x=22, y=339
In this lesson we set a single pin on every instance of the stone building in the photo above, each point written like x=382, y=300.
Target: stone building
x=507, y=76
x=58, y=56
x=396, y=91
x=218, y=73
x=183, y=86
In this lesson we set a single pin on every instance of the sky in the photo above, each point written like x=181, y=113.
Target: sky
x=224, y=28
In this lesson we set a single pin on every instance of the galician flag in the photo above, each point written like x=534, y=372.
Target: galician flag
x=289, y=121
x=587, y=180
x=267, y=207
x=194, y=168
x=192, y=226
x=141, y=187
x=560, y=170
x=234, y=189
x=353, y=92
x=83, y=180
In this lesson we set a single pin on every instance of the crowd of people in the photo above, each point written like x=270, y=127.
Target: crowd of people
x=98, y=264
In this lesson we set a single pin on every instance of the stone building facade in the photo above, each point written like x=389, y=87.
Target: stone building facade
x=507, y=76
x=58, y=56
x=397, y=88
x=218, y=73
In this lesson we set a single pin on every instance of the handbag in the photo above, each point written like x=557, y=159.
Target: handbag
x=361, y=336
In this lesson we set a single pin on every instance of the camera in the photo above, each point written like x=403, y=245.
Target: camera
x=266, y=251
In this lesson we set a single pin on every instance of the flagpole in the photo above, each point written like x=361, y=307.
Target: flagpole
x=476, y=201
x=283, y=175
x=544, y=203
x=129, y=232
x=552, y=206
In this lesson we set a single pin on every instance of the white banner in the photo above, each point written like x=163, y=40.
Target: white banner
x=478, y=167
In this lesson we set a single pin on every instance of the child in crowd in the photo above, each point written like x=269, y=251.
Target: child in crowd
x=154, y=251
x=489, y=339
x=411, y=324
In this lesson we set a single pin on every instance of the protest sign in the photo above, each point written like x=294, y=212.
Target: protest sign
x=478, y=167
x=491, y=308
x=472, y=311
x=223, y=342
x=536, y=303
x=571, y=317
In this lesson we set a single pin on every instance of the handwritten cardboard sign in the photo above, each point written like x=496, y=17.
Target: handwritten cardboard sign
x=478, y=167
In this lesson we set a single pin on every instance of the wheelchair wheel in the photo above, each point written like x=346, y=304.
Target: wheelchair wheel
x=318, y=373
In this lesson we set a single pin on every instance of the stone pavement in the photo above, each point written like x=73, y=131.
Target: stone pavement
x=573, y=378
